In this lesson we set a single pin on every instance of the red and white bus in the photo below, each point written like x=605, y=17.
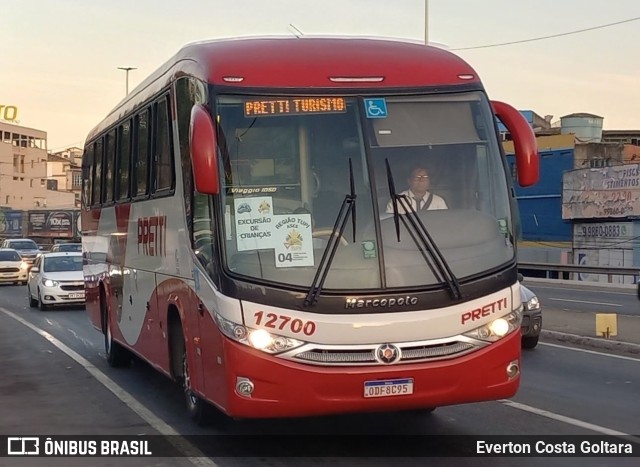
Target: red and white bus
x=237, y=238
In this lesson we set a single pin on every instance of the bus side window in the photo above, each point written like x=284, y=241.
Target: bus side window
x=141, y=161
x=163, y=155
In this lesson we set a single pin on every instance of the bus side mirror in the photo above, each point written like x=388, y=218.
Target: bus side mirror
x=203, y=143
x=524, y=142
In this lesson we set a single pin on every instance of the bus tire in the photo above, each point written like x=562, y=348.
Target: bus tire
x=198, y=409
x=117, y=356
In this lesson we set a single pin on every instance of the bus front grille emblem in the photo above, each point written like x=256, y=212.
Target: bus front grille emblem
x=387, y=354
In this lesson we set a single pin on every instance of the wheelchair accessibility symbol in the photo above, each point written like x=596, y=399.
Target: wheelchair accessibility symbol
x=376, y=108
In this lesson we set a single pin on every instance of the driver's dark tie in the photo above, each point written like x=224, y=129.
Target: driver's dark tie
x=418, y=203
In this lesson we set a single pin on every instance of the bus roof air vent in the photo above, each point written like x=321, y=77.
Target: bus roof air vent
x=466, y=77
x=233, y=79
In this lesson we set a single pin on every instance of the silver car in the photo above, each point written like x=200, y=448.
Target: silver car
x=56, y=279
x=531, y=318
x=27, y=248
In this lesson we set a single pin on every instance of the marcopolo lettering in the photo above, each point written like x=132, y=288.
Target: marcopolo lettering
x=380, y=302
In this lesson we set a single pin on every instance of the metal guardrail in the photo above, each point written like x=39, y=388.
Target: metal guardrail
x=579, y=269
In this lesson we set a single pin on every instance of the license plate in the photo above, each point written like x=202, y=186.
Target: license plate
x=387, y=388
x=76, y=295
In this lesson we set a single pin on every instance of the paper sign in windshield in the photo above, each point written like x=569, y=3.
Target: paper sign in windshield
x=254, y=222
x=293, y=240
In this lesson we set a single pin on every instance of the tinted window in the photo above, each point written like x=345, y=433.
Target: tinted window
x=87, y=164
x=69, y=247
x=23, y=245
x=97, y=173
x=9, y=256
x=142, y=154
x=110, y=156
x=63, y=263
x=124, y=158
x=163, y=158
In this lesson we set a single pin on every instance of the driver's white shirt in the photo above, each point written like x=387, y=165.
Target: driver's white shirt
x=437, y=202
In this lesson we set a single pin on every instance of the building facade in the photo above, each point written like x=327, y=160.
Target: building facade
x=24, y=166
x=586, y=207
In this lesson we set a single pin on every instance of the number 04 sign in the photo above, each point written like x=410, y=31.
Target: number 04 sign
x=293, y=240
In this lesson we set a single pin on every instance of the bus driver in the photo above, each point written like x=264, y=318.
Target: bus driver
x=418, y=194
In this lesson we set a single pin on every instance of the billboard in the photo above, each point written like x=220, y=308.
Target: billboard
x=11, y=223
x=53, y=224
x=601, y=192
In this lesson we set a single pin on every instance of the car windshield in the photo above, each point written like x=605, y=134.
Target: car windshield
x=9, y=256
x=287, y=164
x=63, y=263
x=69, y=247
x=24, y=245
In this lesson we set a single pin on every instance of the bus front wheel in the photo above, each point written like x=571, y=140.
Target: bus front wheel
x=197, y=408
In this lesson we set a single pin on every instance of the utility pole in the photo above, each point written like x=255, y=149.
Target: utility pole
x=127, y=69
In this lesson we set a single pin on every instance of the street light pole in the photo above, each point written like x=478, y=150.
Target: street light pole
x=127, y=69
x=426, y=22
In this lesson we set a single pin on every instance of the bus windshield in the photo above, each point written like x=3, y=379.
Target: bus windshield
x=286, y=172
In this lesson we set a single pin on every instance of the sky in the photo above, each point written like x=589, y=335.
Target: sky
x=61, y=57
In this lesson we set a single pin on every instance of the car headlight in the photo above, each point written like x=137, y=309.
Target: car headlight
x=498, y=328
x=24, y=266
x=50, y=283
x=533, y=304
x=260, y=339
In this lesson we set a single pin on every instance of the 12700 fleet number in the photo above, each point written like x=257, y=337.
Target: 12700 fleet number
x=274, y=321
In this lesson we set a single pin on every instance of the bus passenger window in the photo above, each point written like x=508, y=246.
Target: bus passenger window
x=124, y=156
x=142, y=154
x=163, y=160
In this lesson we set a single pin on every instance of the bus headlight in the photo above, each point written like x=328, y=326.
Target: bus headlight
x=260, y=339
x=498, y=328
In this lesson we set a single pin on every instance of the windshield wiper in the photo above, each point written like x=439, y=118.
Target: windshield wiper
x=347, y=208
x=421, y=237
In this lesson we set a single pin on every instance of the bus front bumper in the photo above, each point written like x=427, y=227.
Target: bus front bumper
x=282, y=388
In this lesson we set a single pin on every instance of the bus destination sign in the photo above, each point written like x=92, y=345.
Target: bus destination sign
x=294, y=106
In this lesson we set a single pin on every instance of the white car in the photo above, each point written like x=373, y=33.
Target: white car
x=13, y=268
x=56, y=279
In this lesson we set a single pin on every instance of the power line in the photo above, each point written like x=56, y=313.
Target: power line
x=551, y=36
x=77, y=144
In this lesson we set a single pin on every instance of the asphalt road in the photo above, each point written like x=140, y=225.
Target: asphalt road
x=564, y=391
x=586, y=298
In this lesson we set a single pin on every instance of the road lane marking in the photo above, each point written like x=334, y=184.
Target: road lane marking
x=582, y=301
x=578, y=349
x=585, y=289
x=194, y=455
x=570, y=421
x=198, y=458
